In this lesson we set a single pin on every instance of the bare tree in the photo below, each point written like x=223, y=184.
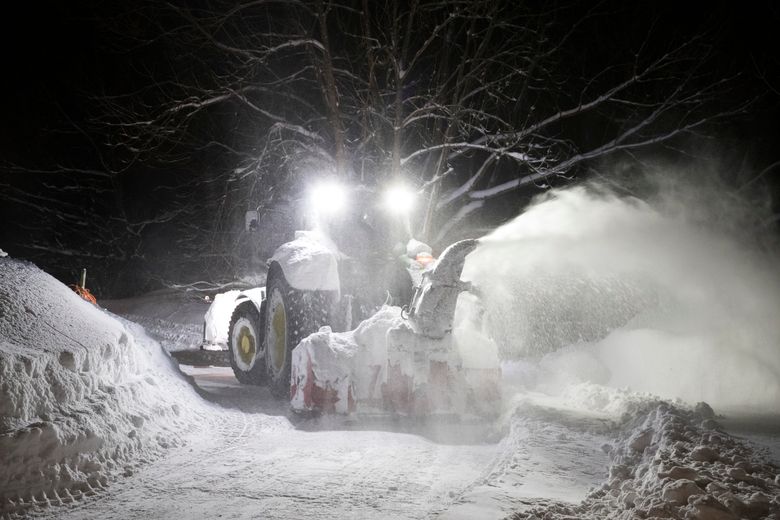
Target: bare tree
x=466, y=100
x=235, y=105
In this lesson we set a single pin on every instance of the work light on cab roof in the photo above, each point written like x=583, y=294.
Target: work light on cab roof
x=328, y=198
x=399, y=199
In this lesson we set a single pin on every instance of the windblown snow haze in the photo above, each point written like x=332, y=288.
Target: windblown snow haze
x=595, y=287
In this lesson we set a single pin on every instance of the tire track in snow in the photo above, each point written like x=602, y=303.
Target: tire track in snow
x=293, y=474
x=548, y=453
x=252, y=465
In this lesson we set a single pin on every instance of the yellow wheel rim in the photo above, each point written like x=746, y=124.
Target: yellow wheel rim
x=247, y=347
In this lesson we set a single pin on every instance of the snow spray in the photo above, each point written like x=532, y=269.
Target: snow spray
x=594, y=287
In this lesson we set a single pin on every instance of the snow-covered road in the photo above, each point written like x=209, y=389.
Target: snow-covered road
x=240, y=469
x=247, y=460
x=99, y=423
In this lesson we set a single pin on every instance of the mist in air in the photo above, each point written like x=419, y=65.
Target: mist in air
x=590, y=286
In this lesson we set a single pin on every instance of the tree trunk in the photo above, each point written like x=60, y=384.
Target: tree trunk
x=331, y=94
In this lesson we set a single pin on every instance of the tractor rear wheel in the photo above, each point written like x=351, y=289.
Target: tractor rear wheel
x=290, y=316
x=246, y=345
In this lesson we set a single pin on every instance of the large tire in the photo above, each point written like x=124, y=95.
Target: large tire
x=246, y=346
x=290, y=316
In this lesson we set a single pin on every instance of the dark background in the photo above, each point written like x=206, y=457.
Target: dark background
x=56, y=57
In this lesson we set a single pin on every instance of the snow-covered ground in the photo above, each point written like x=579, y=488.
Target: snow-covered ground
x=173, y=318
x=247, y=459
x=97, y=421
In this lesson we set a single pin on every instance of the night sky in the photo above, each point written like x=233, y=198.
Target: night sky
x=58, y=57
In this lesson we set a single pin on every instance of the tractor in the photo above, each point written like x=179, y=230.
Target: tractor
x=313, y=333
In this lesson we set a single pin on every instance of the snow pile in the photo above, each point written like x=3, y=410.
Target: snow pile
x=84, y=397
x=614, y=292
x=675, y=463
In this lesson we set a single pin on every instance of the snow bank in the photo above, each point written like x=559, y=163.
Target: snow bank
x=84, y=397
x=675, y=463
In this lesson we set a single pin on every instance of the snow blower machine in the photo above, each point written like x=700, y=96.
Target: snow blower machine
x=351, y=320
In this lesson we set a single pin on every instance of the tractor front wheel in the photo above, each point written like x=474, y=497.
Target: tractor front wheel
x=245, y=345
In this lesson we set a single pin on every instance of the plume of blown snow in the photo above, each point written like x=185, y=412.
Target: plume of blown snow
x=615, y=291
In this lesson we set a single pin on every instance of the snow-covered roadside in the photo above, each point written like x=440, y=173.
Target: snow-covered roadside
x=242, y=469
x=173, y=318
x=762, y=432
x=550, y=451
x=677, y=463
x=84, y=397
x=88, y=399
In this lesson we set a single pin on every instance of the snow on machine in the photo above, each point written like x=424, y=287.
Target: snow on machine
x=328, y=332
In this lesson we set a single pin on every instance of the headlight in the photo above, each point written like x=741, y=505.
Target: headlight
x=328, y=198
x=399, y=199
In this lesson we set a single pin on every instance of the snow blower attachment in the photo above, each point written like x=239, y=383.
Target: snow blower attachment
x=405, y=363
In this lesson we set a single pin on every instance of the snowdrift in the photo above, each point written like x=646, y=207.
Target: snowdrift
x=670, y=462
x=83, y=396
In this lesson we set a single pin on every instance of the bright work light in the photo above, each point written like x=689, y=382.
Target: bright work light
x=399, y=199
x=328, y=198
